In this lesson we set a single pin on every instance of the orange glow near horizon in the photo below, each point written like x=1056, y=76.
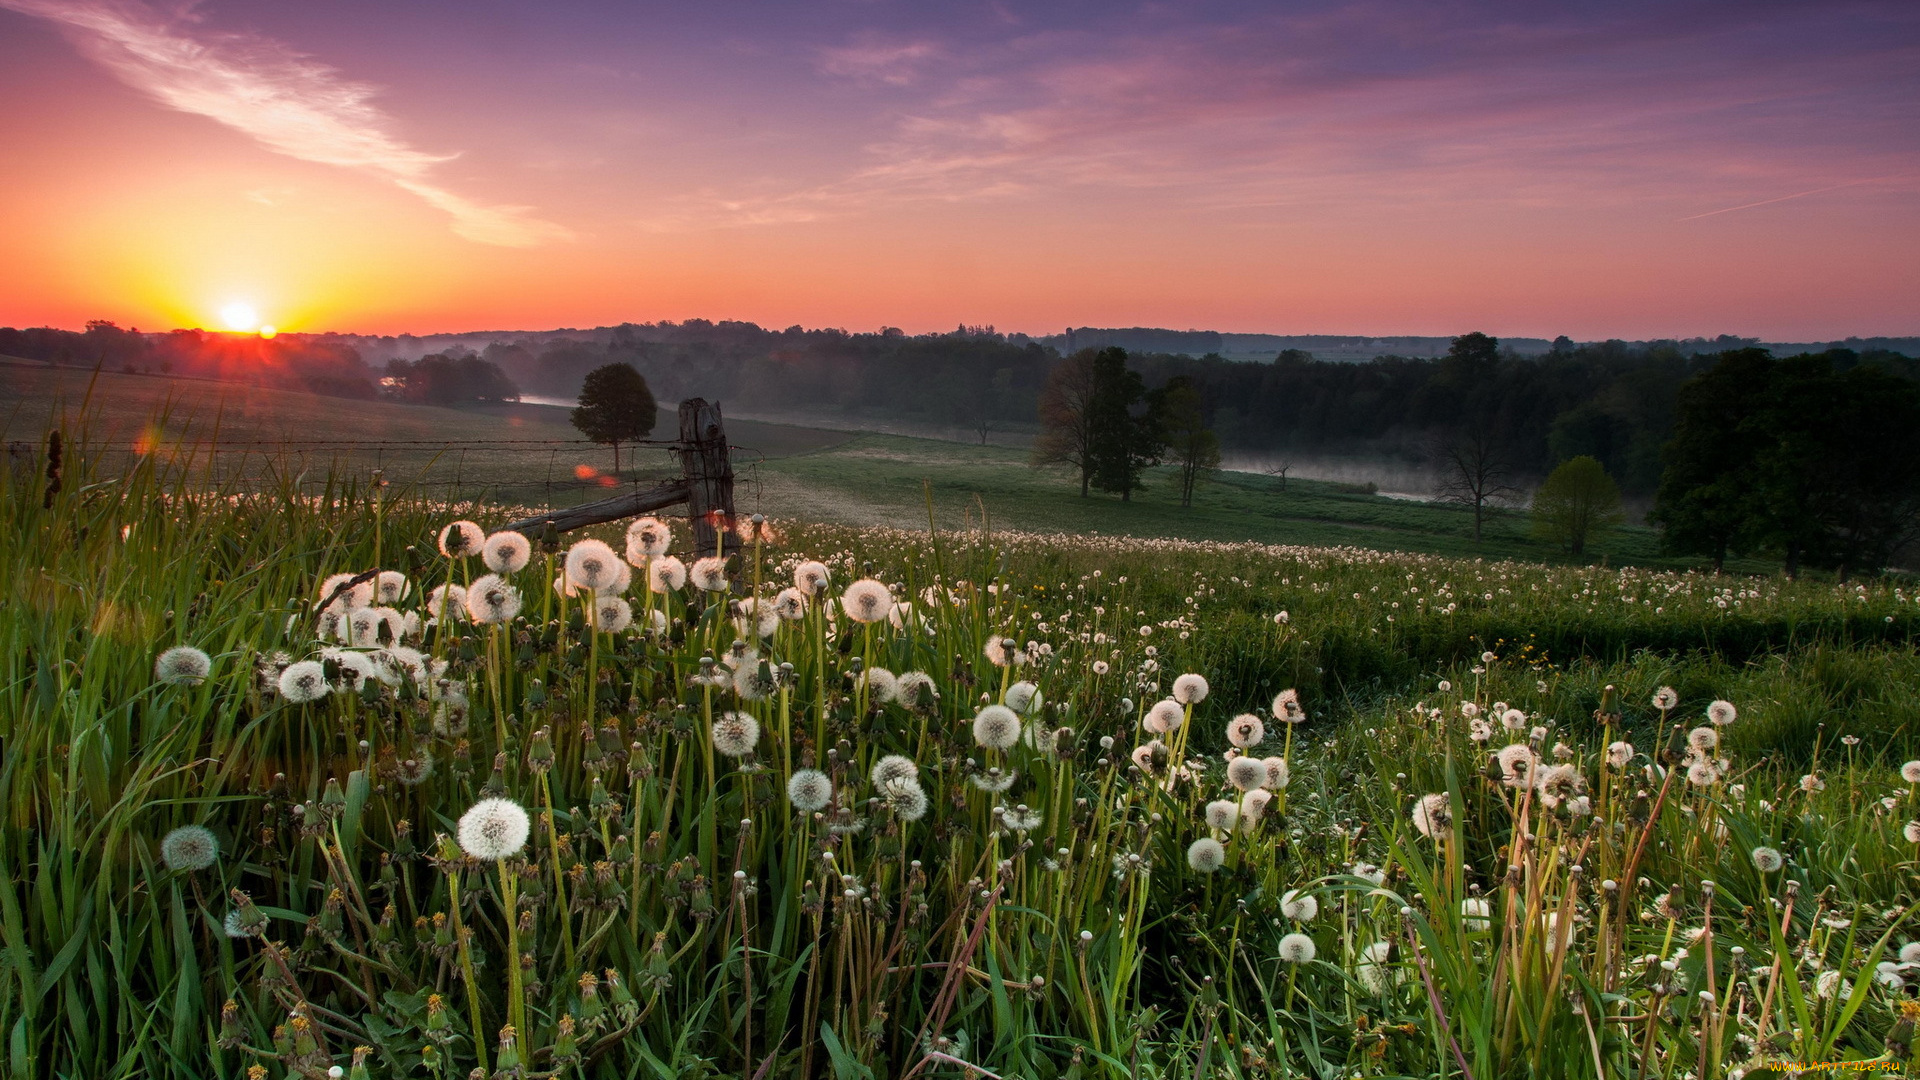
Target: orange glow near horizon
x=1139, y=168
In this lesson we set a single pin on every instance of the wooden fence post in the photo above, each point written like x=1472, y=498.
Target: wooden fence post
x=708, y=472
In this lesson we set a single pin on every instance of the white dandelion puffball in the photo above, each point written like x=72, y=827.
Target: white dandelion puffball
x=1019, y=696
x=1910, y=772
x=1286, y=706
x=1189, y=689
x=491, y=600
x=809, y=790
x=1767, y=860
x=790, y=604
x=182, y=665
x=1246, y=731
x=565, y=589
x=1223, y=814
x=303, y=682
x=1513, y=719
x=391, y=586
x=1722, y=713
x=709, y=574
x=879, y=683
x=447, y=599
x=622, y=581
x=1665, y=698
x=1476, y=913
x=1373, y=970
x=1910, y=953
x=647, y=537
x=611, y=614
x=345, y=597
x=866, y=601
x=460, y=539
x=1433, y=815
x=811, y=577
x=494, y=829
x=1253, y=806
x=996, y=727
x=189, y=847
x=1296, y=948
x=1165, y=715
x=1277, y=773
x=1470, y=709
x=1205, y=855
x=506, y=552
x=1911, y=832
x=592, y=565
x=893, y=767
x=1703, y=738
x=1247, y=773
x=915, y=689
x=735, y=734
x=666, y=574
x=1702, y=773
x=1299, y=906
x=1517, y=764
x=1619, y=753
x=906, y=798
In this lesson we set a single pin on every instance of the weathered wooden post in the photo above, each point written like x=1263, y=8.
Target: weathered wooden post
x=705, y=485
x=708, y=473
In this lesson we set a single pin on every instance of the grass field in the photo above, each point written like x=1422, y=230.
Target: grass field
x=983, y=803
x=784, y=470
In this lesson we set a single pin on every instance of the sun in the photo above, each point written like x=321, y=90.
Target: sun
x=240, y=317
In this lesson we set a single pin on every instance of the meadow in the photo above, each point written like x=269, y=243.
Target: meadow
x=335, y=779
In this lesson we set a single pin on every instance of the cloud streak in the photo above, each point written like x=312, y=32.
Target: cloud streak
x=288, y=103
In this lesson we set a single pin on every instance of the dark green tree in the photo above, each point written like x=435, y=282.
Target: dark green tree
x=1124, y=430
x=1190, y=444
x=1708, y=499
x=615, y=407
x=1577, y=504
x=1067, y=403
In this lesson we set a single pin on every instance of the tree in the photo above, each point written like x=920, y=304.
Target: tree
x=1473, y=473
x=615, y=407
x=1191, y=445
x=1706, y=504
x=1577, y=504
x=1066, y=417
x=1125, y=429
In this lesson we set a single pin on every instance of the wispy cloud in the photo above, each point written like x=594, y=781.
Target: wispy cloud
x=288, y=103
x=877, y=58
x=1785, y=198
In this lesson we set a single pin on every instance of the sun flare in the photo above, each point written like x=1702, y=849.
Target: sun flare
x=240, y=317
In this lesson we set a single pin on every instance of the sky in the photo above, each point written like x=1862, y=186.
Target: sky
x=1670, y=168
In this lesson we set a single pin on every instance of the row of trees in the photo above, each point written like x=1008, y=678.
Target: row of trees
x=1801, y=457
x=441, y=379
x=1098, y=417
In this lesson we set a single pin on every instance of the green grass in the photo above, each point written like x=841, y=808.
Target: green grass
x=677, y=917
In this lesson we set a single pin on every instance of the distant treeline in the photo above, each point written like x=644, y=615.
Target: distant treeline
x=1614, y=401
x=287, y=362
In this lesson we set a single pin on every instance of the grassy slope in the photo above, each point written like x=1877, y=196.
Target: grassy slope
x=784, y=470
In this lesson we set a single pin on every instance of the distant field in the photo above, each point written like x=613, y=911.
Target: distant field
x=530, y=454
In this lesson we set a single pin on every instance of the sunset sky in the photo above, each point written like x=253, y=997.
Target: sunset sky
x=1634, y=170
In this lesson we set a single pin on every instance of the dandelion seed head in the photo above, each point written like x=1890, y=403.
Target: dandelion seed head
x=906, y=798
x=1665, y=699
x=189, y=847
x=1299, y=906
x=506, y=552
x=893, y=767
x=996, y=727
x=491, y=600
x=809, y=790
x=1190, y=689
x=1513, y=719
x=915, y=689
x=1253, y=806
x=1910, y=772
x=304, y=681
x=1474, y=911
x=790, y=604
x=1767, y=860
x=709, y=574
x=1619, y=753
x=460, y=539
x=182, y=665
x=1277, y=773
x=358, y=595
x=1433, y=815
x=1019, y=696
x=1164, y=716
x=666, y=574
x=735, y=734
x=1206, y=855
x=611, y=614
x=1247, y=773
x=1223, y=814
x=811, y=577
x=647, y=537
x=447, y=599
x=494, y=829
x=591, y=565
x=1722, y=713
x=866, y=601
x=1296, y=948
x=1246, y=731
x=1703, y=738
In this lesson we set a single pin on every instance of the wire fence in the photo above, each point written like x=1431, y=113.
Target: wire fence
x=534, y=473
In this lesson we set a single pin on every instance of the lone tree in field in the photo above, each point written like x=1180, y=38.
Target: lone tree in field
x=1473, y=473
x=1125, y=425
x=1066, y=417
x=1191, y=445
x=1577, y=503
x=615, y=407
